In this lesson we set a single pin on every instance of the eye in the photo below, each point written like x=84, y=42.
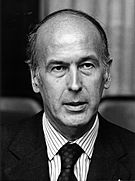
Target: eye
x=58, y=68
x=86, y=66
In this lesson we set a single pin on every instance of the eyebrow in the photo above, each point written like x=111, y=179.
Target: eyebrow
x=93, y=58
x=56, y=62
x=81, y=60
x=89, y=57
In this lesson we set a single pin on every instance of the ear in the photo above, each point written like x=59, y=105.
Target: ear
x=35, y=81
x=107, y=76
x=107, y=80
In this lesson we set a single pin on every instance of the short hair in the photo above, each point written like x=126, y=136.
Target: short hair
x=32, y=59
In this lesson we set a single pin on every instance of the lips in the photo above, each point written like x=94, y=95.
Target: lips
x=75, y=103
x=75, y=106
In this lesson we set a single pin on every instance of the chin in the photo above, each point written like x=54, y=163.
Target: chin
x=75, y=121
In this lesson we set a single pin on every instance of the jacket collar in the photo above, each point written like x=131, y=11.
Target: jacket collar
x=109, y=160
x=27, y=153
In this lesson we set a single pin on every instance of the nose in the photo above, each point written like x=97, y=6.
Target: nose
x=74, y=80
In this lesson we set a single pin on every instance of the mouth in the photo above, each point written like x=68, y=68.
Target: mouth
x=75, y=106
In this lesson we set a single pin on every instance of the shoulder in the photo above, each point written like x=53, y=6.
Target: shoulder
x=115, y=132
x=10, y=129
x=120, y=141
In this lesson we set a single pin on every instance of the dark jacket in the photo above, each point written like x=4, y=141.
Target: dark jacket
x=24, y=152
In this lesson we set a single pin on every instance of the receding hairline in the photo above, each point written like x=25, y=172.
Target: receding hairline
x=70, y=17
x=32, y=58
x=67, y=23
x=69, y=12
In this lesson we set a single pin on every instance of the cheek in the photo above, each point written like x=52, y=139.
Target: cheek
x=94, y=86
x=52, y=91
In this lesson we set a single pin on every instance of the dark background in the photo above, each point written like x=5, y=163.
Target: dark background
x=17, y=19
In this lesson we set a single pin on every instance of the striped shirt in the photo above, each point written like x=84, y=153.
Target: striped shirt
x=54, y=141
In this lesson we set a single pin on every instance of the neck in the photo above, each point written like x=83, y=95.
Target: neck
x=71, y=133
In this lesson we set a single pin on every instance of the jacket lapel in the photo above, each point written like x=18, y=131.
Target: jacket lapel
x=109, y=158
x=27, y=155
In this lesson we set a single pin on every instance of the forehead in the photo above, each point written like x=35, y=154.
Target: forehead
x=67, y=29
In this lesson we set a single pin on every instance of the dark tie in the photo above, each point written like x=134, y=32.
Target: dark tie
x=69, y=154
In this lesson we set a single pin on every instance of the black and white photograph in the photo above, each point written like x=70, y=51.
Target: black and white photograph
x=67, y=90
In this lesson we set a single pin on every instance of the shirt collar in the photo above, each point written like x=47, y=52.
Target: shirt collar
x=54, y=140
x=86, y=142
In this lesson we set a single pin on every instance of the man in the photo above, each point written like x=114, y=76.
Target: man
x=70, y=67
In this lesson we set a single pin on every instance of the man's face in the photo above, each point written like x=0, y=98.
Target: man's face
x=71, y=74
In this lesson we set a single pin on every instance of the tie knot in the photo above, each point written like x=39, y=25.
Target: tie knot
x=69, y=155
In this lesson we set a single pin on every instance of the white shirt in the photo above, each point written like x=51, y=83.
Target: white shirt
x=54, y=141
